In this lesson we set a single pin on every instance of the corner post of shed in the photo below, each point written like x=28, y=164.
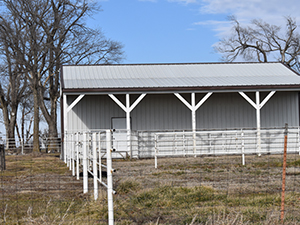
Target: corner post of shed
x=258, y=125
x=128, y=126
x=64, y=153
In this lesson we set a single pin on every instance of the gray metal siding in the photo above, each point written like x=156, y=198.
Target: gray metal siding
x=167, y=112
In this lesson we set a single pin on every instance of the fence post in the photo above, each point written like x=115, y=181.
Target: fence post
x=95, y=170
x=243, y=148
x=100, y=156
x=77, y=155
x=109, y=178
x=22, y=146
x=299, y=139
x=155, y=151
x=72, y=149
x=84, y=162
x=284, y=172
x=2, y=158
x=65, y=147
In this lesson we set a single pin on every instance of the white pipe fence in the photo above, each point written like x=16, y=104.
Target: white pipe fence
x=86, y=150
x=151, y=144
x=230, y=142
x=20, y=146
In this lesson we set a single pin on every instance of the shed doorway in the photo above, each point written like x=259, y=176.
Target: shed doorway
x=119, y=136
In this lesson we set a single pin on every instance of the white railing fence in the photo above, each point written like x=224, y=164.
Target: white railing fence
x=20, y=146
x=84, y=151
x=229, y=142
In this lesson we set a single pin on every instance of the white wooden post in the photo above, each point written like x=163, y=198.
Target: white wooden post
x=66, y=110
x=109, y=178
x=65, y=128
x=84, y=162
x=257, y=105
x=128, y=126
x=193, y=107
x=258, y=122
x=95, y=170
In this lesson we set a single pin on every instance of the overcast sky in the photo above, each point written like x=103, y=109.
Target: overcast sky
x=169, y=31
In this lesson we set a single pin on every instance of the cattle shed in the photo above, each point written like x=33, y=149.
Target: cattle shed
x=187, y=97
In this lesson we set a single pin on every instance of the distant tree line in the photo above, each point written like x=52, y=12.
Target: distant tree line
x=36, y=38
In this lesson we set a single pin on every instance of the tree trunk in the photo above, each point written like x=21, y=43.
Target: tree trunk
x=36, y=123
x=2, y=158
x=9, y=124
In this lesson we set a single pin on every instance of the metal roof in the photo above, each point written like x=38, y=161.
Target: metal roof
x=214, y=75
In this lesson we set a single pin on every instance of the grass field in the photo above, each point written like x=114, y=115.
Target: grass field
x=39, y=189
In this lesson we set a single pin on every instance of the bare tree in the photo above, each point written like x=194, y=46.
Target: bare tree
x=51, y=33
x=262, y=42
x=13, y=90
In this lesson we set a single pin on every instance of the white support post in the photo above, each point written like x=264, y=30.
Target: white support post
x=258, y=122
x=95, y=170
x=109, y=178
x=257, y=105
x=77, y=155
x=84, y=162
x=193, y=121
x=128, y=125
x=193, y=107
x=127, y=109
x=65, y=128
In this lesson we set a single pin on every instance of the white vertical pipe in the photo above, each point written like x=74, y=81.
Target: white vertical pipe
x=22, y=145
x=68, y=149
x=155, y=152
x=77, y=155
x=109, y=178
x=100, y=163
x=129, y=149
x=194, y=121
x=73, y=154
x=299, y=139
x=243, y=148
x=95, y=170
x=258, y=122
x=85, y=172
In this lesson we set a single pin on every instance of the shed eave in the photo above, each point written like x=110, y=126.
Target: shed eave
x=246, y=88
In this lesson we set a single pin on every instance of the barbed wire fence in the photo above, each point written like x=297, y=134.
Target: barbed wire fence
x=178, y=177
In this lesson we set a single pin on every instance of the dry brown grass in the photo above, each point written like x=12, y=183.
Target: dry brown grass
x=39, y=189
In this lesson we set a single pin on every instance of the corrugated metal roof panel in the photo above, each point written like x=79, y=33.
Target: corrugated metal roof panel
x=177, y=75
